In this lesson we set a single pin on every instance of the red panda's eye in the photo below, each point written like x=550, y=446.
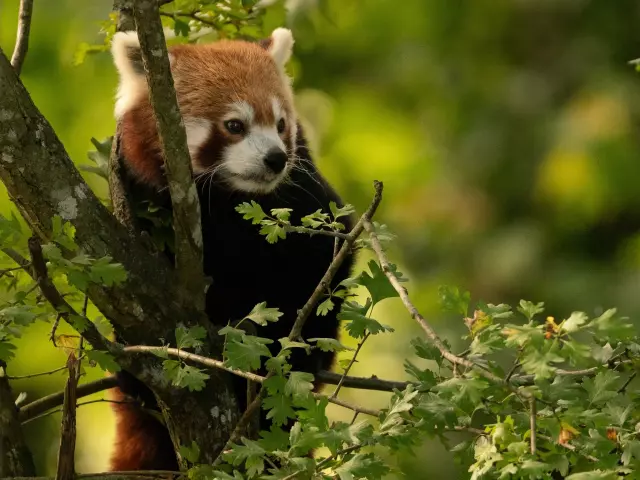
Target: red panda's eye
x=281, y=126
x=234, y=126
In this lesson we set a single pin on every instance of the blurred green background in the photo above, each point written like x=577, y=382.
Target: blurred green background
x=505, y=131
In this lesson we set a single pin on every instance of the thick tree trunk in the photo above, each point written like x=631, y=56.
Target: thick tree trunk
x=43, y=182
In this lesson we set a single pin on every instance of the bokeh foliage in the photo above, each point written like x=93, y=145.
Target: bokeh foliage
x=505, y=133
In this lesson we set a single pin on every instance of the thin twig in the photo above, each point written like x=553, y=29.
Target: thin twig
x=623, y=388
x=177, y=160
x=353, y=360
x=191, y=15
x=312, y=231
x=43, y=404
x=53, y=296
x=304, y=313
x=22, y=37
x=360, y=383
x=66, y=453
x=415, y=314
x=39, y=374
x=78, y=405
x=532, y=420
x=209, y=362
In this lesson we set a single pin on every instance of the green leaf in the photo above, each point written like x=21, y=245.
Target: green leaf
x=611, y=326
x=279, y=409
x=329, y=345
x=299, y=384
x=273, y=231
x=180, y=28
x=251, y=211
x=245, y=355
x=250, y=453
x=182, y=376
x=192, y=453
x=325, y=307
x=529, y=309
x=282, y=214
x=190, y=338
x=540, y=362
x=601, y=388
x=358, y=323
x=521, y=335
x=261, y=315
x=427, y=350
x=341, y=212
x=574, y=322
x=452, y=300
x=7, y=351
x=106, y=273
x=315, y=220
x=63, y=233
x=104, y=359
x=377, y=282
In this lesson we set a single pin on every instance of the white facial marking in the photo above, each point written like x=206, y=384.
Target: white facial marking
x=198, y=131
x=244, y=161
x=281, y=46
x=278, y=111
x=133, y=84
x=240, y=110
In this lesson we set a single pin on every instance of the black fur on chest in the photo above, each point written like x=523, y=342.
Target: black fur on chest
x=247, y=270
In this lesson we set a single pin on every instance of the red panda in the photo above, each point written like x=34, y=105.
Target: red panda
x=245, y=144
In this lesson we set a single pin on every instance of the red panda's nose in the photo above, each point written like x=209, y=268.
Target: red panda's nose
x=275, y=160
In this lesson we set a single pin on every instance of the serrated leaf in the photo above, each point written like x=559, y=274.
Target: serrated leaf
x=279, y=408
x=453, y=300
x=574, y=322
x=601, y=388
x=282, y=214
x=245, y=355
x=104, y=359
x=329, y=345
x=529, y=309
x=342, y=211
x=106, y=273
x=325, y=307
x=191, y=453
x=377, y=282
x=299, y=384
x=251, y=211
x=272, y=231
x=7, y=351
x=182, y=376
x=261, y=314
x=358, y=323
x=191, y=337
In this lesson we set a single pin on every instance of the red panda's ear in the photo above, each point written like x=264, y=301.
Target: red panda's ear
x=279, y=45
x=127, y=57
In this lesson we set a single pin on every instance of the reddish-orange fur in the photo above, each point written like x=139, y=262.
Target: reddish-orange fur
x=208, y=78
x=142, y=441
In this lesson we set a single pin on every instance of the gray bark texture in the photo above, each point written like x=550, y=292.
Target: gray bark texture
x=42, y=181
x=15, y=457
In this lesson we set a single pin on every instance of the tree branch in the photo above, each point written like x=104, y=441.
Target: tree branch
x=217, y=364
x=22, y=37
x=15, y=457
x=304, y=313
x=415, y=314
x=53, y=296
x=66, y=467
x=173, y=138
x=361, y=383
x=41, y=405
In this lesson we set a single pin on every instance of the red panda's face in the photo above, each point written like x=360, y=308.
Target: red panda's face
x=237, y=107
